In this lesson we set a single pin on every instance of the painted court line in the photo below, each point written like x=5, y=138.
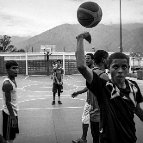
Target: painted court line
x=50, y=108
x=46, y=98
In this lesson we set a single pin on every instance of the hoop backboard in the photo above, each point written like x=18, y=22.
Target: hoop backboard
x=47, y=48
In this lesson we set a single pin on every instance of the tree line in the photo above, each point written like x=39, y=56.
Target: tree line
x=6, y=46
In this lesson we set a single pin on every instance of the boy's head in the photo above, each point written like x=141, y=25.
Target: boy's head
x=89, y=59
x=59, y=63
x=117, y=55
x=12, y=68
x=100, y=57
x=118, y=64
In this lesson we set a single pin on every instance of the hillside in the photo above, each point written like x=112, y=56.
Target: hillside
x=16, y=39
x=103, y=37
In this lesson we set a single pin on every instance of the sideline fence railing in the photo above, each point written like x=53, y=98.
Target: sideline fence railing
x=37, y=63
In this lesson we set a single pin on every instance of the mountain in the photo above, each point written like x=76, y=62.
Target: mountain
x=16, y=39
x=105, y=37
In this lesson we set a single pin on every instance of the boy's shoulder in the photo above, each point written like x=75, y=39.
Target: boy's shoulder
x=132, y=82
x=102, y=74
x=98, y=70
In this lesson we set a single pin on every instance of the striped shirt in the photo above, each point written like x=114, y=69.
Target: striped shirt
x=117, y=108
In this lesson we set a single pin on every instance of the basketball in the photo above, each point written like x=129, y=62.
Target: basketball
x=89, y=14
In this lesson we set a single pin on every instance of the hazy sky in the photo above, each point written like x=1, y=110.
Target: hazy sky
x=32, y=17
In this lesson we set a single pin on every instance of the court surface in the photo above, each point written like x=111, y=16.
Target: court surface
x=41, y=122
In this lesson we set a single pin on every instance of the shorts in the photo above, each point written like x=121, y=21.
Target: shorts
x=86, y=115
x=9, y=132
x=57, y=88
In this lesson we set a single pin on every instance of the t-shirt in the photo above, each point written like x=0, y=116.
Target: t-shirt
x=58, y=72
x=117, y=109
x=92, y=100
x=13, y=101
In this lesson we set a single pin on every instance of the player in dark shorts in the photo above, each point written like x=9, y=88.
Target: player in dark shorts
x=87, y=107
x=100, y=64
x=57, y=82
x=10, y=115
x=100, y=59
x=119, y=98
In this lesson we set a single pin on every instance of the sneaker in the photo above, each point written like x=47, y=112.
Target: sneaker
x=53, y=102
x=2, y=140
x=59, y=102
x=79, y=141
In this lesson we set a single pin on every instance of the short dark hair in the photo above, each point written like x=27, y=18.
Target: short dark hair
x=117, y=55
x=99, y=55
x=91, y=55
x=10, y=63
x=59, y=61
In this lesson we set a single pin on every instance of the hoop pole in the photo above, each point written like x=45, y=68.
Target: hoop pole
x=26, y=58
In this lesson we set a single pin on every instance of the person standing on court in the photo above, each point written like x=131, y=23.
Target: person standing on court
x=85, y=116
x=119, y=98
x=9, y=111
x=100, y=64
x=57, y=82
x=54, y=65
x=100, y=60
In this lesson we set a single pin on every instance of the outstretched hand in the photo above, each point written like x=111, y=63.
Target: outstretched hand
x=85, y=35
x=73, y=95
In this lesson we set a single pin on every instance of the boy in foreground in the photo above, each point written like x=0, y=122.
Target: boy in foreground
x=91, y=108
x=9, y=111
x=119, y=98
x=87, y=107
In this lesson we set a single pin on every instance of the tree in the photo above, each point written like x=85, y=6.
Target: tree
x=5, y=44
x=21, y=50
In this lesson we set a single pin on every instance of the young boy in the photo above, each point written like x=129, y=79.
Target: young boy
x=10, y=116
x=57, y=82
x=91, y=108
x=119, y=99
x=85, y=116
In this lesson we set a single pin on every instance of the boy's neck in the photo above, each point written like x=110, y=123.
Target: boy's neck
x=101, y=67
x=11, y=77
x=120, y=84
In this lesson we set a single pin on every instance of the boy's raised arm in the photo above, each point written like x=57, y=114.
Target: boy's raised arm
x=80, y=57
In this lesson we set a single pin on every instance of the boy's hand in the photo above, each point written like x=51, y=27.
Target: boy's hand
x=74, y=94
x=14, y=121
x=60, y=83
x=85, y=35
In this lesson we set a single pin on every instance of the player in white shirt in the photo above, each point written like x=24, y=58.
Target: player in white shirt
x=10, y=117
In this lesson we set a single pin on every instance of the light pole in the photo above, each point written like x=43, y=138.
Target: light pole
x=121, y=47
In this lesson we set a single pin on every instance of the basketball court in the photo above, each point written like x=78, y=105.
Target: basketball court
x=39, y=121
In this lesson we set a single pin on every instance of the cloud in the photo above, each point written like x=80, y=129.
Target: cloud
x=12, y=20
x=33, y=16
x=5, y=17
x=18, y=25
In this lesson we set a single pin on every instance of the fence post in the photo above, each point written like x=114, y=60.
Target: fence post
x=26, y=58
x=130, y=68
